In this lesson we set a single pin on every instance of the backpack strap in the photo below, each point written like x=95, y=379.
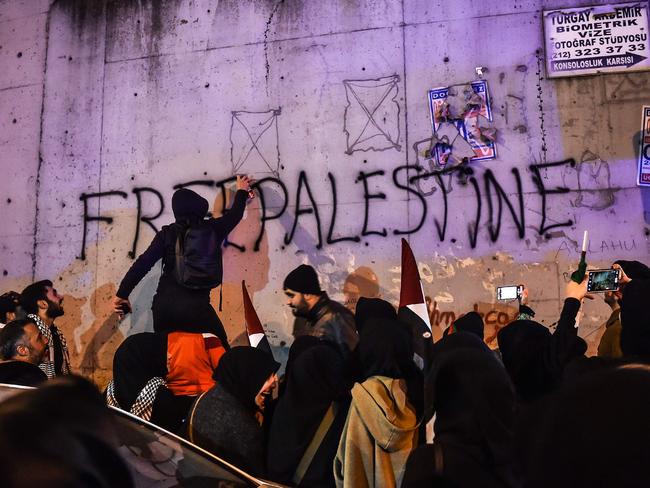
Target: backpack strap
x=315, y=443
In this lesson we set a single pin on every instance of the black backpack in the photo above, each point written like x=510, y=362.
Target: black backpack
x=198, y=256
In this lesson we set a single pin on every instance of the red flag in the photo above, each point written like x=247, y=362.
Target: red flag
x=254, y=330
x=411, y=293
x=413, y=308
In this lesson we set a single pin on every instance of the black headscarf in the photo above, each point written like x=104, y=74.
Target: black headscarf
x=532, y=357
x=242, y=372
x=634, y=270
x=475, y=412
x=189, y=205
x=138, y=359
x=460, y=341
x=372, y=308
x=471, y=322
x=60, y=435
x=474, y=401
x=635, y=319
x=593, y=432
x=385, y=349
x=313, y=383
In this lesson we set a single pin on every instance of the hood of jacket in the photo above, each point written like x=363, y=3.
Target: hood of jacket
x=189, y=205
x=385, y=411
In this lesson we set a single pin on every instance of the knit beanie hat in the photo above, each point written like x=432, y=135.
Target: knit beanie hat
x=303, y=279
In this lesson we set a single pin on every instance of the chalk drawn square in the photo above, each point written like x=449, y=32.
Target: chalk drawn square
x=371, y=119
x=254, y=142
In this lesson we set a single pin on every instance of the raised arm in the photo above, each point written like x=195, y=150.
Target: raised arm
x=565, y=343
x=233, y=216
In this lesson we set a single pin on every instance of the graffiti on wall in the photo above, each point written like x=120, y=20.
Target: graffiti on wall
x=371, y=120
x=276, y=200
x=254, y=142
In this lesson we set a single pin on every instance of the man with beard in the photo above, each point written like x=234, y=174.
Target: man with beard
x=324, y=318
x=22, y=349
x=43, y=304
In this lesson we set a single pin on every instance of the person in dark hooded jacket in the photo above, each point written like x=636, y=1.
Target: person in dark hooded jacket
x=175, y=307
x=474, y=404
x=534, y=358
x=314, y=400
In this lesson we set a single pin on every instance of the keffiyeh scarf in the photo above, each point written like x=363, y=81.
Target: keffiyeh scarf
x=48, y=366
x=143, y=405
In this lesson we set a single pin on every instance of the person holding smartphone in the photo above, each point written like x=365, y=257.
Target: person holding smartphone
x=635, y=314
x=534, y=357
x=610, y=342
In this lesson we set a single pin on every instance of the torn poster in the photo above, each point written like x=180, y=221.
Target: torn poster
x=597, y=39
x=479, y=139
x=643, y=177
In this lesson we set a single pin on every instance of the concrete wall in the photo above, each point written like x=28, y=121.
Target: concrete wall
x=129, y=98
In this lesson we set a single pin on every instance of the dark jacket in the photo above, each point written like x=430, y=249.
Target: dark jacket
x=314, y=381
x=474, y=402
x=223, y=420
x=593, y=432
x=534, y=358
x=220, y=425
x=189, y=207
x=175, y=307
x=332, y=322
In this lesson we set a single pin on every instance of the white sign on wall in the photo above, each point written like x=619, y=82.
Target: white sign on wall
x=598, y=39
x=643, y=178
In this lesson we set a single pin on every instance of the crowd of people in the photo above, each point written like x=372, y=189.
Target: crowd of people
x=357, y=406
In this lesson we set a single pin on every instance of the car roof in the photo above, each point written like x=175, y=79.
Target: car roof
x=178, y=449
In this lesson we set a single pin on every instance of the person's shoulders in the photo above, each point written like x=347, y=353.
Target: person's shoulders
x=338, y=308
x=21, y=373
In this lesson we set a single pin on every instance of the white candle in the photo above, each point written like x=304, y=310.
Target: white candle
x=584, y=242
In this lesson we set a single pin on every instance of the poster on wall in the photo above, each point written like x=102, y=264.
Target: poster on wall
x=598, y=39
x=643, y=177
x=468, y=123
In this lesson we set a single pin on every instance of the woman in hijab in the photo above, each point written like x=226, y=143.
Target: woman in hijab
x=635, y=317
x=369, y=309
x=138, y=385
x=474, y=405
x=534, y=358
x=176, y=307
x=308, y=418
x=227, y=419
x=382, y=424
x=471, y=323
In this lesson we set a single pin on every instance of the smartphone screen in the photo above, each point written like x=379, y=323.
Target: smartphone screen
x=601, y=280
x=507, y=292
